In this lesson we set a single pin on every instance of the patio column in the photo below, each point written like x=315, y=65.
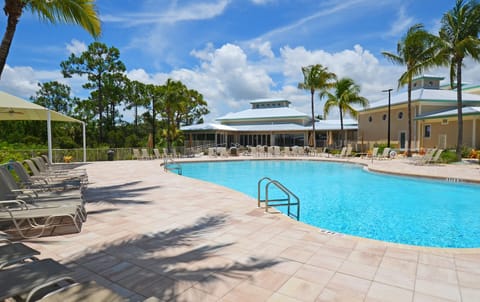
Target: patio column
x=474, y=132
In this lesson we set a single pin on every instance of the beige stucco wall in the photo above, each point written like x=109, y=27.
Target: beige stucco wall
x=450, y=130
x=376, y=129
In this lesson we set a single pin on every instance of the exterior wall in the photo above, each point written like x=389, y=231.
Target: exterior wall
x=376, y=130
x=470, y=127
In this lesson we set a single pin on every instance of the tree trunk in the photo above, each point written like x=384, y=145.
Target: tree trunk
x=312, y=91
x=14, y=9
x=460, y=113
x=100, y=109
x=153, y=122
x=341, y=127
x=409, y=113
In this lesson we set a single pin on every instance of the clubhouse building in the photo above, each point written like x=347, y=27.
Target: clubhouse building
x=273, y=122
x=434, y=112
x=269, y=122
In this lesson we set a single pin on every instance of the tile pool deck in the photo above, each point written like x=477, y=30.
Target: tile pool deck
x=155, y=233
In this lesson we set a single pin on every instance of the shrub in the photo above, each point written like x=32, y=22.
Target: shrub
x=448, y=156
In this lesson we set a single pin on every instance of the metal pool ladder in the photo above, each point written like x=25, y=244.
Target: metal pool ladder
x=170, y=165
x=287, y=201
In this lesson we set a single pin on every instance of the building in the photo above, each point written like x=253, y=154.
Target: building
x=268, y=122
x=434, y=122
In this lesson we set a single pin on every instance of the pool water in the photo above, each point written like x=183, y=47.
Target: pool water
x=346, y=198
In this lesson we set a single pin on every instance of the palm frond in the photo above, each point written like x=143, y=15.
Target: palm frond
x=81, y=12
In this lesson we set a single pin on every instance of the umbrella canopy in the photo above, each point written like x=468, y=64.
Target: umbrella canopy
x=13, y=108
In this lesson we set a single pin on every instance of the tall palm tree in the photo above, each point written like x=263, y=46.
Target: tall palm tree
x=316, y=77
x=346, y=94
x=459, y=39
x=81, y=12
x=416, y=50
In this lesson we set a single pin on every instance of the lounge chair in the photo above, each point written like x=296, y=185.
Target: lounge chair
x=136, y=154
x=145, y=154
x=19, y=220
x=39, y=199
x=27, y=279
x=276, y=151
x=45, y=168
x=156, y=154
x=436, y=157
x=426, y=158
x=16, y=252
x=43, y=182
x=343, y=152
x=54, y=175
x=348, y=153
x=90, y=291
x=385, y=154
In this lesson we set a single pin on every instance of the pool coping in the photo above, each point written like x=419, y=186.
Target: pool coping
x=343, y=161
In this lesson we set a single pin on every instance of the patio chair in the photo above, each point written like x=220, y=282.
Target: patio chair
x=276, y=151
x=9, y=190
x=43, y=183
x=287, y=151
x=348, y=152
x=45, y=168
x=19, y=220
x=342, y=153
x=30, y=279
x=145, y=154
x=90, y=291
x=385, y=154
x=156, y=154
x=374, y=152
x=15, y=253
x=55, y=175
x=136, y=154
x=426, y=158
x=436, y=157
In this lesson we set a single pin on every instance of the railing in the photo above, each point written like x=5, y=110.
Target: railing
x=170, y=165
x=278, y=202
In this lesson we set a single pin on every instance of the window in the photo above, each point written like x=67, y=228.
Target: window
x=370, y=119
x=427, y=131
x=444, y=122
x=400, y=115
x=384, y=117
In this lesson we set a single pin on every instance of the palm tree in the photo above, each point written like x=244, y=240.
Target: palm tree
x=459, y=39
x=81, y=12
x=316, y=77
x=416, y=50
x=346, y=94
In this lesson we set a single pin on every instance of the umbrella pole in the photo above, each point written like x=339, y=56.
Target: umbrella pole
x=49, y=135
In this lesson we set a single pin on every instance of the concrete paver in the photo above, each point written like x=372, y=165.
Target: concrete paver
x=155, y=233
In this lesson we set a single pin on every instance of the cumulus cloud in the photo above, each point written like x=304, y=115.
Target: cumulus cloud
x=76, y=47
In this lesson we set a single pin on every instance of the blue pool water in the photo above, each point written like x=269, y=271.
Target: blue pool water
x=347, y=199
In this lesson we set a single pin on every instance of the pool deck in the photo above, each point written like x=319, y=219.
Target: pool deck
x=155, y=233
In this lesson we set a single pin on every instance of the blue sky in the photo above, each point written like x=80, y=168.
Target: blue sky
x=232, y=51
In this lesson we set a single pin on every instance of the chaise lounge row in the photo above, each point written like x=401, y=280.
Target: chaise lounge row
x=48, y=202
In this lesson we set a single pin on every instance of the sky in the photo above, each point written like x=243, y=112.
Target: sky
x=232, y=51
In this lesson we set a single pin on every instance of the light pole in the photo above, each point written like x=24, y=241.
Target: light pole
x=388, y=129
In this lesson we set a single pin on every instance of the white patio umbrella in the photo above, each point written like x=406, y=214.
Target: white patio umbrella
x=13, y=108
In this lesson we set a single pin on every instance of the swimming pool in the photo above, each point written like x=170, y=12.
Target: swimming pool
x=347, y=199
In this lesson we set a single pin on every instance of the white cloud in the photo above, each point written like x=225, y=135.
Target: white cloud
x=263, y=48
x=195, y=10
x=401, y=24
x=76, y=47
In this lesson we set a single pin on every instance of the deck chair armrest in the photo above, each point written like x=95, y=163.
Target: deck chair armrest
x=18, y=202
x=30, y=192
x=40, y=291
